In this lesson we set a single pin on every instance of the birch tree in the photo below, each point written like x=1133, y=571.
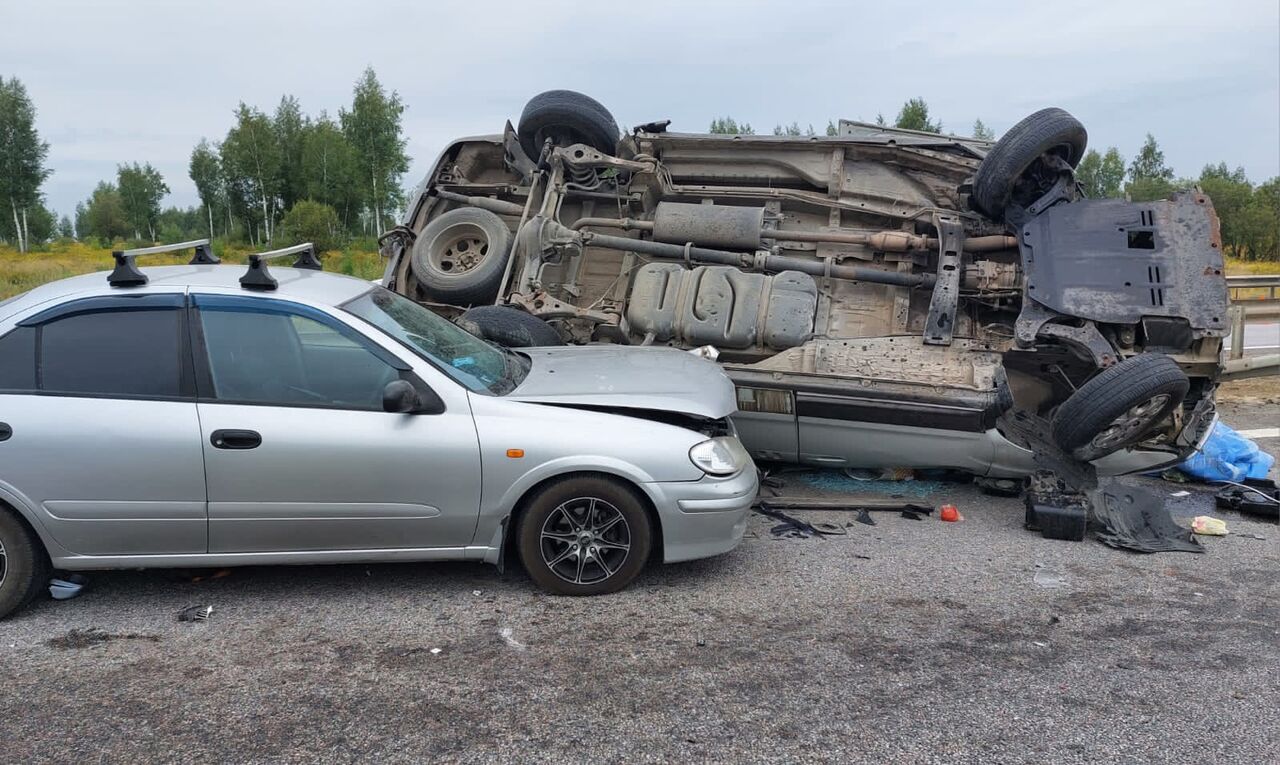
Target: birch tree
x=251, y=163
x=141, y=190
x=22, y=158
x=206, y=173
x=373, y=128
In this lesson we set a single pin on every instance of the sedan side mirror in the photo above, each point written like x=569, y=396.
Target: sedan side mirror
x=399, y=396
x=403, y=397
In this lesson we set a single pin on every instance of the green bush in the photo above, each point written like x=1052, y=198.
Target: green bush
x=313, y=222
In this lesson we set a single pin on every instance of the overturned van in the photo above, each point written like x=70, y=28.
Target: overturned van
x=880, y=297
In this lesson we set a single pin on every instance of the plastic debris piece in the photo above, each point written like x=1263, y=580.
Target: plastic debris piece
x=1227, y=456
x=1049, y=580
x=951, y=514
x=1180, y=494
x=195, y=613
x=1174, y=475
x=1209, y=526
x=66, y=588
x=507, y=636
x=865, y=517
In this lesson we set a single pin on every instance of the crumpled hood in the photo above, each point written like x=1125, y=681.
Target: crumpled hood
x=663, y=379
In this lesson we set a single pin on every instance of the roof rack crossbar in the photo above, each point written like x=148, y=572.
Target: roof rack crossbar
x=259, y=278
x=126, y=273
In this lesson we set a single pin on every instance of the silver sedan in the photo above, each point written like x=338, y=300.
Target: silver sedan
x=192, y=421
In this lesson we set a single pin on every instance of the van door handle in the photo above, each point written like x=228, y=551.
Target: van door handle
x=235, y=439
x=6, y=432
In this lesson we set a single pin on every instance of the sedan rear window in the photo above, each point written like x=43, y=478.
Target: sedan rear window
x=113, y=353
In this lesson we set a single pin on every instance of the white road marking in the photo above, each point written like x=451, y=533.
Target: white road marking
x=1260, y=433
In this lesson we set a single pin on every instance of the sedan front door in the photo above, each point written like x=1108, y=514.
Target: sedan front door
x=299, y=454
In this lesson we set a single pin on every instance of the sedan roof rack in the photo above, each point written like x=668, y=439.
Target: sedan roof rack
x=259, y=278
x=126, y=273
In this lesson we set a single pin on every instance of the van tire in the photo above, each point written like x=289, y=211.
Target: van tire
x=1048, y=130
x=508, y=326
x=460, y=257
x=1119, y=406
x=566, y=117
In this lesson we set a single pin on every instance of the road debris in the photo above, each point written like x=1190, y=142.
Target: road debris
x=66, y=588
x=1049, y=579
x=507, y=635
x=1227, y=456
x=195, y=613
x=1253, y=496
x=1205, y=525
x=794, y=528
x=950, y=514
x=1131, y=518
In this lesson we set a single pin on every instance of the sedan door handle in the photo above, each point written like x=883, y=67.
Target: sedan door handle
x=6, y=432
x=235, y=439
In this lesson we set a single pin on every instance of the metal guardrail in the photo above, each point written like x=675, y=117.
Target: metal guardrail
x=1243, y=308
x=1268, y=282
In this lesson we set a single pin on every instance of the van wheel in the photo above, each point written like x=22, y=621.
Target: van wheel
x=460, y=257
x=1119, y=406
x=509, y=327
x=566, y=118
x=584, y=535
x=1006, y=173
x=24, y=567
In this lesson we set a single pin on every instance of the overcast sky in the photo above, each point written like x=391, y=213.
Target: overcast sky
x=143, y=80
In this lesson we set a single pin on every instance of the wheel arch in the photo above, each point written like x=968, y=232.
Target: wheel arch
x=9, y=504
x=509, y=523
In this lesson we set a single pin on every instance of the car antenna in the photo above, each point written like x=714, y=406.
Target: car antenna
x=259, y=278
x=126, y=273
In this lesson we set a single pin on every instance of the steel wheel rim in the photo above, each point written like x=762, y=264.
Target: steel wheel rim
x=1135, y=420
x=459, y=249
x=585, y=540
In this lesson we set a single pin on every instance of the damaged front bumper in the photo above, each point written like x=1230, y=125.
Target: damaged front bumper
x=704, y=517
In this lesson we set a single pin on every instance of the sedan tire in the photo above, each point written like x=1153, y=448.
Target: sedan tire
x=24, y=567
x=584, y=535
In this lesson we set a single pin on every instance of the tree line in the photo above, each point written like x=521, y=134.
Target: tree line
x=324, y=179
x=317, y=178
x=1249, y=214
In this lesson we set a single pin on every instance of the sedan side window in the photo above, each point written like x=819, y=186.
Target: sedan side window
x=114, y=346
x=18, y=360
x=279, y=354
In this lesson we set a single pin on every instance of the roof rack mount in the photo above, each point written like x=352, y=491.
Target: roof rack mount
x=259, y=278
x=126, y=273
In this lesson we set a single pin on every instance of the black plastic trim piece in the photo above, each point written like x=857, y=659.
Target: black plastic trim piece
x=908, y=414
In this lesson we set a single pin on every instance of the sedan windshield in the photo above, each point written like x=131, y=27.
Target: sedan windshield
x=482, y=367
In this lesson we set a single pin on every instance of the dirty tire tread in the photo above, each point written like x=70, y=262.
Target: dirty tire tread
x=508, y=326
x=563, y=489
x=567, y=109
x=1111, y=393
x=477, y=286
x=27, y=572
x=1018, y=148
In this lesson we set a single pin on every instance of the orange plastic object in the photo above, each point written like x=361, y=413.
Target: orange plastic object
x=951, y=514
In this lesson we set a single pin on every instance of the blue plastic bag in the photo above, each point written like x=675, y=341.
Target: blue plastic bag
x=1227, y=456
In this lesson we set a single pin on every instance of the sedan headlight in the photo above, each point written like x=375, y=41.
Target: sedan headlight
x=720, y=456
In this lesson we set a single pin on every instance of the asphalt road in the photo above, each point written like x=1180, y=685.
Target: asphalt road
x=909, y=641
